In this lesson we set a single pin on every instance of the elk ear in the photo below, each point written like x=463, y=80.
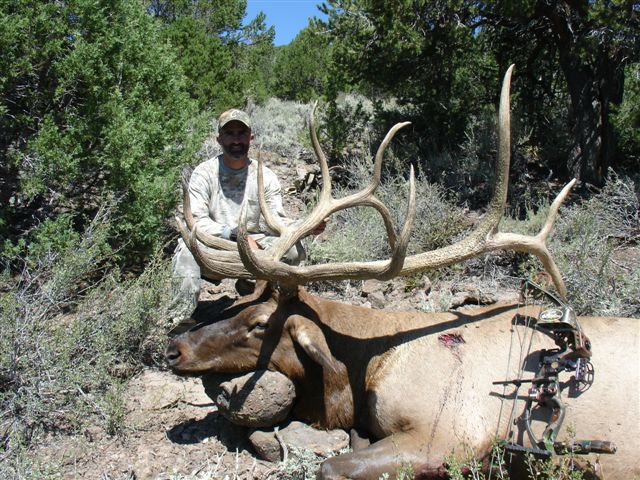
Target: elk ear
x=338, y=397
x=309, y=336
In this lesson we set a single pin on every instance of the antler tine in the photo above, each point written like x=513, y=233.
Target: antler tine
x=290, y=276
x=485, y=237
x=400, y=249
x=554, y=208
x=186, y=199
x=377, y=167
x=325, y=193
x=268, y=215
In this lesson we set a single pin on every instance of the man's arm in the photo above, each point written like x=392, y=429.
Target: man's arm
x=200, y=193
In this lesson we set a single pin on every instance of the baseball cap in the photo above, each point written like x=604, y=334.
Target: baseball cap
x=231, y=115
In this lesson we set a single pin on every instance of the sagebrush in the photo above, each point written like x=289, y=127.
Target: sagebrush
x=71, y=334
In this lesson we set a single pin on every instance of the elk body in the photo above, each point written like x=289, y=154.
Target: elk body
x=399, y=379
x=419, y=385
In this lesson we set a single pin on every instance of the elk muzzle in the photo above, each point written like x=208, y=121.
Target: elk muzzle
x=176, y=353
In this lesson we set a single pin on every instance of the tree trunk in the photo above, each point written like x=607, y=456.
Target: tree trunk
x=595, y=76
x=591, y=91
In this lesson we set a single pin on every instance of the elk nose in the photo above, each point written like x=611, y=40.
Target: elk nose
x=173, y=354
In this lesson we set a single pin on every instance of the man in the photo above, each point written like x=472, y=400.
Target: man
x=217, y=189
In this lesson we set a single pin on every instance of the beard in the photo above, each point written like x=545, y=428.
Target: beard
x=236, y=151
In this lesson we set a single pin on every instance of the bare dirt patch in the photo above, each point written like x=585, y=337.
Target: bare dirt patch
x=171, y=431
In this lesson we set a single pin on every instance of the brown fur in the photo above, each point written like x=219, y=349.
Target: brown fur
x=391, y=376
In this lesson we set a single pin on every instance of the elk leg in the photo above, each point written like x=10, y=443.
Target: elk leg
x=399, y=452
x=358, y=440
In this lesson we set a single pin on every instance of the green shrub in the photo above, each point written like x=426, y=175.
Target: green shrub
x=69, y=338
x=301, y=69
x=555, y=468
x=280, y=125
x=596, y=246
x=594, y=243
x=626, y=119
x=348, y=126
x=94, y=106
x=300, y=464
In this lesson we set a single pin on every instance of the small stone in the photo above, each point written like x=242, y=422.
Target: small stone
x=377, y=300
x=301, y=436
x=371, y=286
x=470, y=294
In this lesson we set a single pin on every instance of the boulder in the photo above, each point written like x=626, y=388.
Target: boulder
x=297, y=435
x=258, y=399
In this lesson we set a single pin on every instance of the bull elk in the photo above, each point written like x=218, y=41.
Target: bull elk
x=424, y=387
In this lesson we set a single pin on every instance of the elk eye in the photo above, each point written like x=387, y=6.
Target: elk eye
x=260, y=325
x=261, y=322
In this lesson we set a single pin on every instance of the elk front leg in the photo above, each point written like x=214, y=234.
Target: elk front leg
x=400, y=452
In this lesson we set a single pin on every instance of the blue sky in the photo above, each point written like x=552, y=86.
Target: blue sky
x=287, y=16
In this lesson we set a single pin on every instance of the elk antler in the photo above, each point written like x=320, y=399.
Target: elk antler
x=484, y=238
x=225, y=261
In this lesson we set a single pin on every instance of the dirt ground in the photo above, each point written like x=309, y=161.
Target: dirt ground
x=172, y=431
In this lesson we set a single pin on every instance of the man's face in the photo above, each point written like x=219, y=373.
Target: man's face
x=234, y=138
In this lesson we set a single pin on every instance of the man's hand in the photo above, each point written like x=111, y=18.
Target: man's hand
x=252, y=243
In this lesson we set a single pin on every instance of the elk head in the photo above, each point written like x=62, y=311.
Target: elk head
x=269, y=330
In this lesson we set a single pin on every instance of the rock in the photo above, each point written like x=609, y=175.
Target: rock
x=470, y=294
x=301, y=436
x=371, y=286
x=377, y=300
x=162, y=390
x=258, y=399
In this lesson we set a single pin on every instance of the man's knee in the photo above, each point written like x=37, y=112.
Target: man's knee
x=186, y=281
x=183, y=262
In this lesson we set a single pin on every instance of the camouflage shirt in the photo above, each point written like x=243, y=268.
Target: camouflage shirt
x=217, y=193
